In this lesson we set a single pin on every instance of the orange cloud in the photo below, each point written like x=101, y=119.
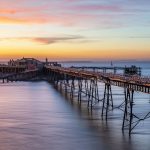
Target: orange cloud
x=24, y=20
x=10, y=20
x=7, y=11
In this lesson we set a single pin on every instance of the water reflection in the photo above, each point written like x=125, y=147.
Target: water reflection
x=35, y=116
x=110, y=130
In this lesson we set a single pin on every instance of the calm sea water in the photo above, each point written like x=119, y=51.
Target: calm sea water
x=35, y=116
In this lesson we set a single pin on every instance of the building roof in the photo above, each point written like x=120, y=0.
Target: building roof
x=28, y=59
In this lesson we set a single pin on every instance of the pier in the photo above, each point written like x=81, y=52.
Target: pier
x=126, y=70
x=11, y=69
x=84, y=83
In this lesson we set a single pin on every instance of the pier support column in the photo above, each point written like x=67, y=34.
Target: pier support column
x=72, y=88
x=93, y=95
x=66, y=83
x=128, y=110
x=107, y=100
x=79, y=89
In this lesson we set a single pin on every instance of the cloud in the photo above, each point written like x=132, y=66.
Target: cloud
x=26, y=20
x=47, y=40
x=108, y=8
x=11, y=20
x=86, y=13
x=7, y=11
x=51, y=40
x=138, y=37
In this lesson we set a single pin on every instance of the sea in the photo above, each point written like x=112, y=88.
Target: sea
x=37, y=116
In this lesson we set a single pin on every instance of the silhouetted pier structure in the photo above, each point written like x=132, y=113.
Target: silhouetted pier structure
x=126, y=70
x=11, y=69
x=23, y=69
x=85, y=83
x=20, y=76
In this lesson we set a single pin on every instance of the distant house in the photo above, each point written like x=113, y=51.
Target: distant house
x=29, y=63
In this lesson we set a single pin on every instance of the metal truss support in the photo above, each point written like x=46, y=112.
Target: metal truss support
x=128, y=110
x=92, y=93
x=72, y=88
x=107, y=100
x=80, y=89
x=131, y=120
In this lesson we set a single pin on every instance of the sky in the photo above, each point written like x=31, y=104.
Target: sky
x=75, y=29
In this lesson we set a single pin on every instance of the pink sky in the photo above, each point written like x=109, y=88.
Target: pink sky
x=88, y=25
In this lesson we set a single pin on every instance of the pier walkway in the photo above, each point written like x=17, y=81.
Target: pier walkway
x=114, y=69
x=134, y=82
x=17, y=73
x=85, y=83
